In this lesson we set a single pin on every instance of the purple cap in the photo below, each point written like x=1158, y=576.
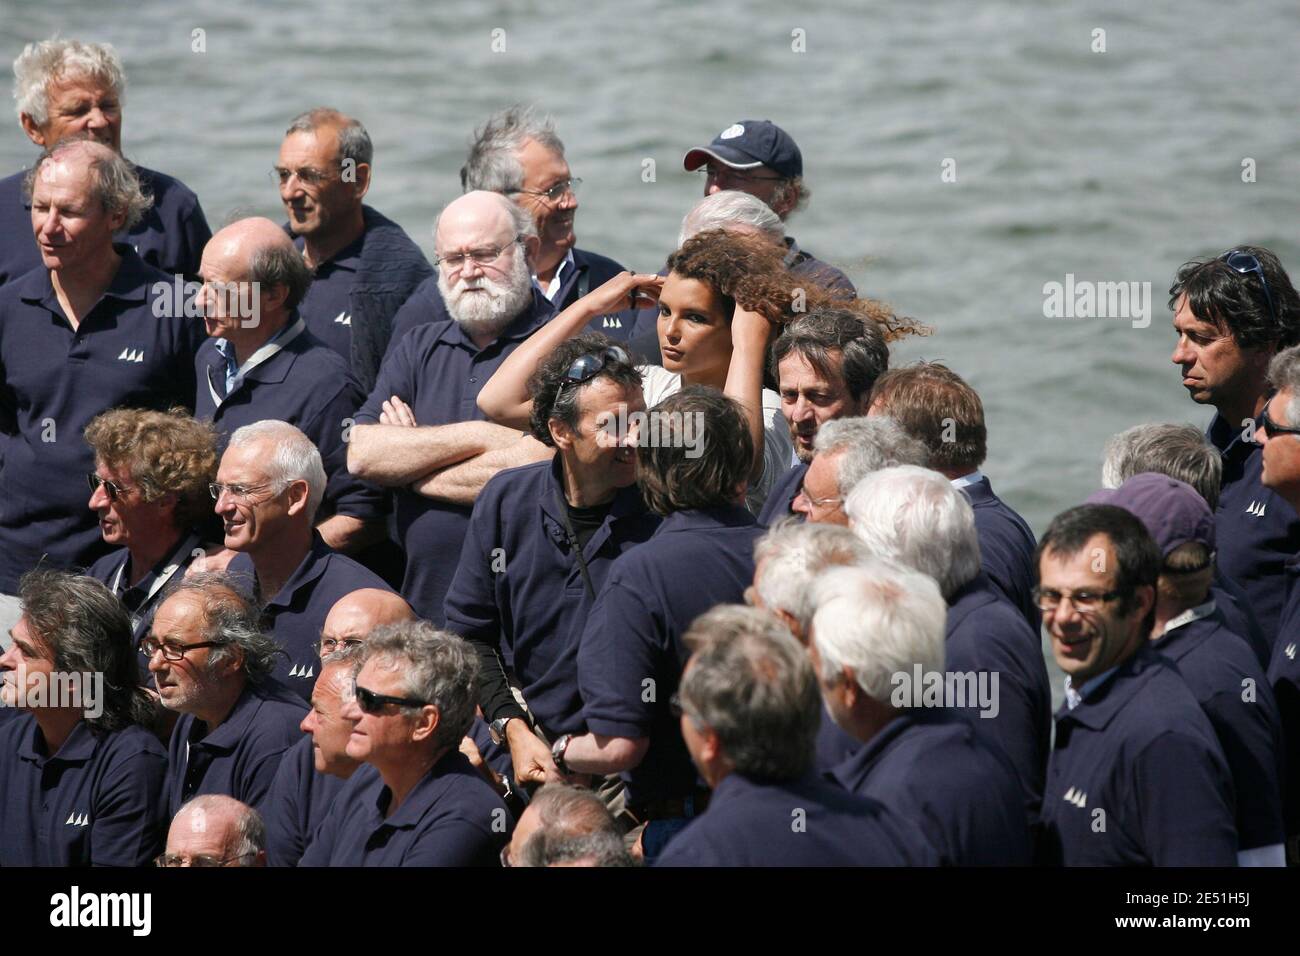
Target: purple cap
x=1172, y=510
x=748, y=145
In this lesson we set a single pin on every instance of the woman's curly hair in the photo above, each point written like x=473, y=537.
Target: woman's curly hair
x=751, y=270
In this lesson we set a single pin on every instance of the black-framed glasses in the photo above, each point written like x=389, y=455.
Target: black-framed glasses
x=171, y=651
x=171, y=860
x=1049, y=599
x=1243, y=263
x=372, y=703
x=556, y=192
x=1272, y=427
x=328, y=645
x=586, y=367
x=112, y=487
x=481, y=257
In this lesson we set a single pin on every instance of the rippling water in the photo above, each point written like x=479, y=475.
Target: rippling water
x=1112, y=166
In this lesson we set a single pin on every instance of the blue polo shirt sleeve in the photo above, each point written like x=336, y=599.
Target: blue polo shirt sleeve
x=130, y=813
x=456, y=840
x=396, y=377
x=422, y=306
x=195, y=234
x=620, y=651
x=1184, y=803
x=320, y=849
x=283, y=814
x=350, y=495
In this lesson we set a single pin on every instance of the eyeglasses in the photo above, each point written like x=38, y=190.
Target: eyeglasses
x=328, y=645
x=1049, y=599
x=113, y=488
x=820, y=502
x=1244, y=262
x=372, y=703
x=555, y=192
x=307, y=176
x=587, y=367
x=711, y=171
x=238, y=492
x=175, y=859
x=1272, y=427
x=481, y=257
x=171, y=651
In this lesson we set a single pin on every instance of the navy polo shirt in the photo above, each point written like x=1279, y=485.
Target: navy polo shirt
x=170, y=236
x=295, y=615
x=931, y=767
x=1007, y=547
x=307, y=385
x=326, y=306
x=1284, y=676
x=53, y=381
x=589, y=272
x=1256, y=531
x=986, y=633
x=452, y=817
x=834, y=744
x=425, y=307
x=113, y=570
x=803, y=263
x=519, y=585
x=298, y=802
x=1219, y=671
x=1233, y=606
x=780, y=499
x=1137, y=777
x=631, y=654
x=241, y=756
x=97, y=802
x=806, y=822
x=438, y=371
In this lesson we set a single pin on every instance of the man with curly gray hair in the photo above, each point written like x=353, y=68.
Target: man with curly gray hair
x=64, y=88
x=417, y=801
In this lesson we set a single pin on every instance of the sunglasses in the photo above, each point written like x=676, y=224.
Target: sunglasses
x=1272, y=427
x=372, y=703
x=1243, y=263
x=588, y=366
x=113, y=488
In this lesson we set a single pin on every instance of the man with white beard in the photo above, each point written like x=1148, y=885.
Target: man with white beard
x=421, y=431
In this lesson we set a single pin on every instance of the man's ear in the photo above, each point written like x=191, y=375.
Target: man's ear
x=233, y=664
x=532, y=246
x=361, y=185
x=34, y=132
x=561, y=433
x=299, y=492
x=426, y=723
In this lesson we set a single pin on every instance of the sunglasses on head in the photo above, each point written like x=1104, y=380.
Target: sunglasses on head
x=587, y=367
x=1244, y=263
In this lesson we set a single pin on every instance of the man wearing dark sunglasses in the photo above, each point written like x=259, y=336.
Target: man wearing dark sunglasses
x=417, y=801
x=540, y=542
x=1232, y=314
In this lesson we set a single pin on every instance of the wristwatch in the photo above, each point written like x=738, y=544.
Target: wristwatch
x=557, y=753
x=497, y=730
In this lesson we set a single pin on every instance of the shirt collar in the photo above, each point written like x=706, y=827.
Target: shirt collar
x=78, y=748
x=130, y=283
x=722, y=516
x=422, y=795
x=557, y=280
x=1190, y=615
x=1073, y=698
x=234, y=728
x=974, y=478
x=311, y=567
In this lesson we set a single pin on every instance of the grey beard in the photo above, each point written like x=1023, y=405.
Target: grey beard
x=489, y=314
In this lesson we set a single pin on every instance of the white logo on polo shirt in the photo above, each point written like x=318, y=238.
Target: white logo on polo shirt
x=1256, y=508
x=343, y=318
x=732, y=131
x=77, y=820
x=300, y=670
x=611, y=322
x=131, y=355
x=1076, y=797
x=1289, y=650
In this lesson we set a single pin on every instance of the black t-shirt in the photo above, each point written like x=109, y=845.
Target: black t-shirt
x=587, y=520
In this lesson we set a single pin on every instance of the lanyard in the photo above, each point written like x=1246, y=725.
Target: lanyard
x=167, y=573
x=575, y=545
x=267, y=351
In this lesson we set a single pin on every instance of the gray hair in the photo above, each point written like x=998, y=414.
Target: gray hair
x=601, y=849
x=1179, y=451
x=114, y=183
x=493, y=163
x=281, y=264
x=879, y=619
x=1284, y=373
x=354, y=141
x=792, y=555
x=751, y=683
x=294, y=457
x=867, y=444
x=730, y=208
x=916, y=517
x=250, y=828
x=574, y=824
x=437, y=667
x=43, y=63
x=233, y=619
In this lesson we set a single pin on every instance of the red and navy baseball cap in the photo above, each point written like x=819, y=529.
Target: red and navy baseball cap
x=748, y=145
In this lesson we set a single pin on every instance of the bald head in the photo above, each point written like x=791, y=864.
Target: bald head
x=253, y=278
x=478, y=218
x=355, y=615
x=218, y=828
